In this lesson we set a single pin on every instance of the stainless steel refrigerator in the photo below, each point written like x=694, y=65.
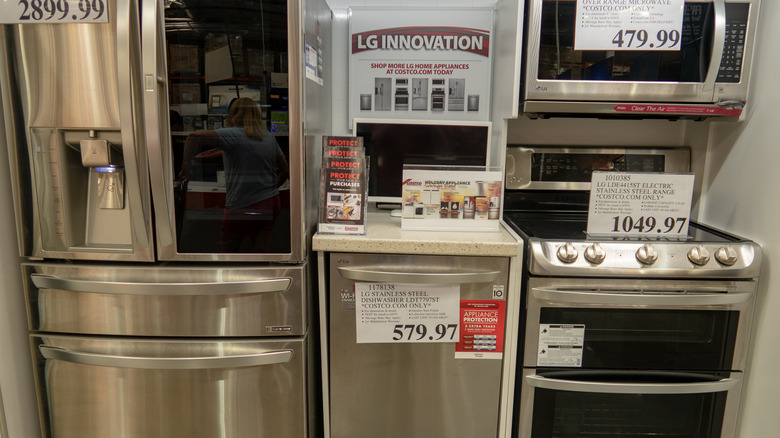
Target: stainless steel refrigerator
x=383, y=94
x=143, y=321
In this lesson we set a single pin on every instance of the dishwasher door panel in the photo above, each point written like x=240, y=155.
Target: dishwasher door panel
x=135, y=300
x=410, y=390
x=141, y=388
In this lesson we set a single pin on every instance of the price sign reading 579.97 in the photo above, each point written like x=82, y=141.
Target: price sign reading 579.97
x=629, y=24
x=406, y=313
x=53, y=11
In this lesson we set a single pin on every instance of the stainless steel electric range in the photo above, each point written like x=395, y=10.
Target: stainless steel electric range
x=624, y=336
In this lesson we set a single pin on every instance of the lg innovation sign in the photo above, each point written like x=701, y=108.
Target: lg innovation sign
x=422, y=64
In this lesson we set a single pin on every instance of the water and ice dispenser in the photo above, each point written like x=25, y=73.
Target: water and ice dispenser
x=96, y=155
x=80, y=187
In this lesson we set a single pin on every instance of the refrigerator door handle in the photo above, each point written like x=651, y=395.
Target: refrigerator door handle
x=631, y=388
x=166, y=363
x=154, y=98
x=163, y=289
x=128, y=43
x=380, y=275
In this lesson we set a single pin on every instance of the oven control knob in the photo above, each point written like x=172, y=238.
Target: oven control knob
x=698, y=255
x=726, y=255
x=595, y=254
x=567, y=253
x=646, y=254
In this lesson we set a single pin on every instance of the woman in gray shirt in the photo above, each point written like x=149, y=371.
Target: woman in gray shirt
x=255, y=167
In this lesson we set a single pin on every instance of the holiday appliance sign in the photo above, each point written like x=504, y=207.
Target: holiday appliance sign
x=431, y=64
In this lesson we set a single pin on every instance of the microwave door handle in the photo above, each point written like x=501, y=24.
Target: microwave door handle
x=631, y=388
x=166, y=363
x=154, y=96
x=127, y=46
x=645, y=299
x=380, y=275
x=718, y=43
x=163, y=289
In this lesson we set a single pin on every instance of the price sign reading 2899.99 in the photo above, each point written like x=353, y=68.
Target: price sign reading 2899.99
x=629, y=25
x=53, y=11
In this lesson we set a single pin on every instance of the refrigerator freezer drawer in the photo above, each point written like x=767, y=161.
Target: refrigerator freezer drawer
x=391, y=390
x=166, y=301
x=102, y=387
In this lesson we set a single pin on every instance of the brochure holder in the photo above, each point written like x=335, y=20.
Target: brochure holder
x=343, y=186
x=451, y=198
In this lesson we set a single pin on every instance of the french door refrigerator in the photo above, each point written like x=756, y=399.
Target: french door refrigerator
x=143, y=322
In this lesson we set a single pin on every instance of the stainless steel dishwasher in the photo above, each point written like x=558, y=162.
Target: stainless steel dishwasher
x=423, y=379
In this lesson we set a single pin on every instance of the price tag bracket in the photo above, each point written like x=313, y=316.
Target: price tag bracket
x=640, y=204
x=53, y=11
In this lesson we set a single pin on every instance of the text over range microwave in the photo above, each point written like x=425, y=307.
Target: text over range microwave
x=706, y=74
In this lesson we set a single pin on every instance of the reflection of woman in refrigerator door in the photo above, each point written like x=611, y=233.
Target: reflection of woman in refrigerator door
x=255, y=167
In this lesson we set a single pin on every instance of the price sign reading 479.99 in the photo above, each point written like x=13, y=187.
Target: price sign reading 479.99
x=629, y=24
x=53, y=11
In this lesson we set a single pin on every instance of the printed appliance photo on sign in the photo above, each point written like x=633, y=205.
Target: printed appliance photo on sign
x=430, y=64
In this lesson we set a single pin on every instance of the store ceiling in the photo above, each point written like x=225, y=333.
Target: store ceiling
x=262, y=21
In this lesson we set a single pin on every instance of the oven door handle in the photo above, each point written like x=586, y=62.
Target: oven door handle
x=382, y=275
x=631, y=388
x=43, y=281
x=644, y=299
x=166, y=363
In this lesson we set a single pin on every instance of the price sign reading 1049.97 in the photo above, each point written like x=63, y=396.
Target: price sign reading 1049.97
x=640, y=204
x=629, y=24
x=53, y=11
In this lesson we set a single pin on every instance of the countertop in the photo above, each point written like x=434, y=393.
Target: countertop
x=384, y=235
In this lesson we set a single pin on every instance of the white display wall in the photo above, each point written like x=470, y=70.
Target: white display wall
x=743, y=196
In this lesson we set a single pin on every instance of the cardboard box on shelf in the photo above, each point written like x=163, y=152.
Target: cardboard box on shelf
x=183, y=59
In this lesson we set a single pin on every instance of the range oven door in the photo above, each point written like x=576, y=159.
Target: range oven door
x=575, y=404
x=638, y=324
x=709, y=64
x=159, y=388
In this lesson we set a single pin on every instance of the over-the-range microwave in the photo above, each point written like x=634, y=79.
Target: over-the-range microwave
x=705, y=74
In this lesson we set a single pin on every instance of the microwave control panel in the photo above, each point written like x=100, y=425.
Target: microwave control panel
x=734, y=47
